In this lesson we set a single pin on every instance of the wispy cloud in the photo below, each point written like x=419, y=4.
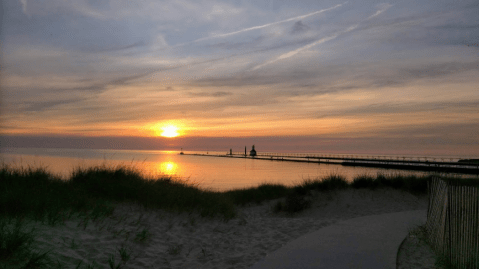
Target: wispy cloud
x=24, y=6
x=292, y=53
x=382, y=8
x=44, y=8
x=115, y=48
x=296, y=51
x=271, y=24
x=210, y=94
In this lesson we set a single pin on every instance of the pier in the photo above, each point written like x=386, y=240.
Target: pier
x=448, y=165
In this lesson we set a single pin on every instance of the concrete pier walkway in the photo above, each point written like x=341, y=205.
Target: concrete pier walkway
x=403, y=163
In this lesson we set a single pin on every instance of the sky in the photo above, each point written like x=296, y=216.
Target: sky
x=397, y=77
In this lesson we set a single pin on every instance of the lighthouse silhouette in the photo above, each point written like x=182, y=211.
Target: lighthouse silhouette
x=252, y=153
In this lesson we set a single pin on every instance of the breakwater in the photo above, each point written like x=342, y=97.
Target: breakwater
x=448, y=165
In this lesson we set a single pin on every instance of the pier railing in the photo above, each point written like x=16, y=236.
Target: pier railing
x=352, y=157
x=453, y=222
x=451, y=164
x=365, y=159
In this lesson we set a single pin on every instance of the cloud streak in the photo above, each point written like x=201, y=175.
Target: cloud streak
x=296, y=51
x=382, y=8
x=24, y=6
x=268, y=24
x=292, y=53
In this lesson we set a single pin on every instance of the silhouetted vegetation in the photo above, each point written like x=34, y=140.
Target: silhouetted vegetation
x=329, y=183
x=293, y=203
x=38, y=194
x=411, y=183
x=16, y=249
x=127, y=185
x=93, y=191
x=45, y=197
x=258, y=194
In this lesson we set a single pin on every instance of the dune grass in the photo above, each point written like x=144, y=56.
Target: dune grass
x=123, y=184
x=258, y=194
x=410, y=183
x=16, y=250
x=93, y=192
x=42, y=196
x=45, y=197
x=329, y=183
x=294, y=195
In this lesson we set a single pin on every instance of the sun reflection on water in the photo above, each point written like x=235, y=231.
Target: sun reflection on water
x=168, y=168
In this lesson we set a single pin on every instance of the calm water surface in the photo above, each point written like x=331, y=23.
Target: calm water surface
x=207, y=172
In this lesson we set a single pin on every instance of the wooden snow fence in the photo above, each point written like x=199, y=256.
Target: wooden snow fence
x=453, y=222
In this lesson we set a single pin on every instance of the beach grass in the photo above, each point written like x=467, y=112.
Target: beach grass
x=124, y=184
x=294, y=196
x=93, y=192
x=328, y=183
x=35, y=193
x=43, y=196
x=16, y=250
x=258, y=194
x=411, y=183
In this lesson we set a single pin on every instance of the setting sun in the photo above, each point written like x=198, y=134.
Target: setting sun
x=169, y=131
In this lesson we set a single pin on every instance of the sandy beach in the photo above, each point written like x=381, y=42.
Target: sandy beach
x=137, y=238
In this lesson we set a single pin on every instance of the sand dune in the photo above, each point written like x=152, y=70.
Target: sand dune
x=159, y=239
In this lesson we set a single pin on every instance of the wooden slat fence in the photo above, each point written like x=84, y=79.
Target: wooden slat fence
x=453, y=222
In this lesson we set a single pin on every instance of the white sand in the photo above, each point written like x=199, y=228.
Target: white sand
x=189, y=241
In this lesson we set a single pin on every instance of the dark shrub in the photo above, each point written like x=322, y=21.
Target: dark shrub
x=332, y=182
x=365, y=181
x=258, y=194
x=293, y=203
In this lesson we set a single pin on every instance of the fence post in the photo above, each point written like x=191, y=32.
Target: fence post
x=450, y=230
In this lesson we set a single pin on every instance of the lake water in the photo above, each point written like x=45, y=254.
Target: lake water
x=207, y=172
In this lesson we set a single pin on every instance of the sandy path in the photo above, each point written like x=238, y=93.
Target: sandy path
x=158, y=239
